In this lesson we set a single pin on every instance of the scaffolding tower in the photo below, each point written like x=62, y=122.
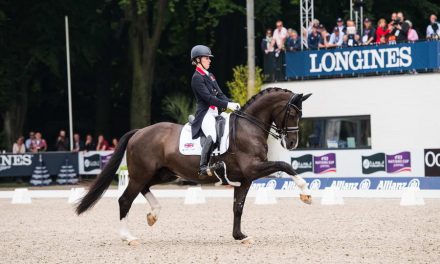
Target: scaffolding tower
x=306, y=16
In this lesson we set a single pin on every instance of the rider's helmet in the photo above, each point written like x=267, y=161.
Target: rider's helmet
x=200, y=51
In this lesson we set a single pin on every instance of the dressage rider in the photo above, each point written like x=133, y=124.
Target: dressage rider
x=210, y=103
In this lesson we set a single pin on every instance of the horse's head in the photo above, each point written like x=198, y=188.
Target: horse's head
x=287, y=120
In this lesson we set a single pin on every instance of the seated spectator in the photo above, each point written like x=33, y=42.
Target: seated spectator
x=39, y=144
x=293, y=43
x=382, y=30
x=369, y=34
x=102, y=143
x=29, y=141
x=412, y=33
x=279, y=35
x=336, y=38
x=400, y=28
x=114, y=144
x=78, y=144
x=19, y=146
x=341, y=27
x=266, y=43
x=433, y=29
x=325, y=36
x=90, y=144
x=62, y=143
x=314, y=39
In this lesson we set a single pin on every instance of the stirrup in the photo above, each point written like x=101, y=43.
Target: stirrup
x=204, y=172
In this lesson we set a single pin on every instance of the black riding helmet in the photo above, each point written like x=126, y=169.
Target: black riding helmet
x=200, y=51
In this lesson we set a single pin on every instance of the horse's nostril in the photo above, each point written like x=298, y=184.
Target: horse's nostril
x=291, y=143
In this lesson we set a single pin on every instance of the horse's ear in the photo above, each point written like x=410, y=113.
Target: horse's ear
x=305, y=97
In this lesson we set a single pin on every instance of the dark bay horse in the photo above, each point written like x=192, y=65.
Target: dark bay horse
x=153, y=156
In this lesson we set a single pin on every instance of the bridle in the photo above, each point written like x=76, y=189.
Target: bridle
x=280, y=133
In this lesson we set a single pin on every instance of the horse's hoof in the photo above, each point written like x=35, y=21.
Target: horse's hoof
x=307, y=199
x=247, y=241
x=134, y=242
x=151, y=219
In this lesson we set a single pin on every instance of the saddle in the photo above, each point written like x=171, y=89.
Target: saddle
x=220, y=123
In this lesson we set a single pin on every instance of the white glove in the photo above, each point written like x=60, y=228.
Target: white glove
x=233, y=106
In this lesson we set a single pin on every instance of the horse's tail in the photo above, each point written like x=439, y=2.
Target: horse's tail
x=104, y=179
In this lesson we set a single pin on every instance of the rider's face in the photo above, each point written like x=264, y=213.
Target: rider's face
x=206, y=62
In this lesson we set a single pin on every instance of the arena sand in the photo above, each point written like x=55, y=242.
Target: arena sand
x=361, y=231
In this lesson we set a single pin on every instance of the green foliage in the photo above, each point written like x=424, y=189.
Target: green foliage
x=238, y=86
x=178, y=107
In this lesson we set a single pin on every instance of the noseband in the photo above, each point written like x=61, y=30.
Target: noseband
x=279, y=132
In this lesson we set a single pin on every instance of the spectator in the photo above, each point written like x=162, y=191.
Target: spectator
x=30, y=140
x=341, y=27
x=39, y=144
x=266, y=43
x=336, y=38
x=279, y=35
x=325, y=36
x=400, y=28
x=314, y=39
x=114, y=144
x=369, y=34
x=62, y=143
x=19, y=146
x=89, y=145
x=293, y=43
x=351, y=33
x=313, y=23
x=412, y=33
x=383, y=40
x=78, y=144
x=382, y=30
x=433, y=29
x=102, y=143
x=344, y=41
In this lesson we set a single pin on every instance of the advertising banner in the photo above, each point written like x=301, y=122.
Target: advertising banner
x=92, y=162
x=24, y=164
x=363, y=59
x=432, y=162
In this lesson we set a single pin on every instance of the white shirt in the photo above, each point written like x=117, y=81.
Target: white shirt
x=280, y=35
x=337, y=40
x=430, y=31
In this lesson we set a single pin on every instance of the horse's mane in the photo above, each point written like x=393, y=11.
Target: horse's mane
x=261, y=93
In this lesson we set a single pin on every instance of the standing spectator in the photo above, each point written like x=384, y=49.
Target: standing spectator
x=279, y=35
x=382, y=30
x=90, y=144
x=351, y=33
x=314, y=39
x=30, y=140
x=269, y=59
x=293, y=43
x=433, y=29
x=325, y=36
x=102, y=143
x=62, y=143
x=369, y=34
x=400, y=28
x=114, y=144
x=266, y=42
x=412, y=33
x=39, y=144
x=341, y=27
x=313, y=23
x=19, y=146
x=336, y=38
x=78, y=144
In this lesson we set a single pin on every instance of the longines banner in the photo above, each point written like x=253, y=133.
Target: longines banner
x=364, y=59
x=24, y=164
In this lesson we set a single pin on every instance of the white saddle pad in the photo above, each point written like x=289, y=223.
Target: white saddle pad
x=189, y=146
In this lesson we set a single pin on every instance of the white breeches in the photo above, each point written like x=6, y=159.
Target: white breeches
x=208, y=124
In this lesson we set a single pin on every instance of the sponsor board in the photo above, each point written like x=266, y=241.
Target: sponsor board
x=93, y=162
x=432, y=162
x=316, y=164
x=352, y=183
x=381, y=162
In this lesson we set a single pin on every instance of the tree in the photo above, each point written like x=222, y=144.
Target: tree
x=238, y=86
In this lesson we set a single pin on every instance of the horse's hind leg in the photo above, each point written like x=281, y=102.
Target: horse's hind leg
x=162, y=176
x=125, y=202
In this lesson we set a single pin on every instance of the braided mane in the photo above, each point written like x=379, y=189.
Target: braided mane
x=261, y=93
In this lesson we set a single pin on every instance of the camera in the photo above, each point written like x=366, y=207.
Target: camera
x=397, y=21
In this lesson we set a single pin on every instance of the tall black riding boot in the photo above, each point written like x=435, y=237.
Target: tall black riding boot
x=207, y=147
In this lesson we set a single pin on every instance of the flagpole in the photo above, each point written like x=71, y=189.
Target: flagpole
x=69, y=85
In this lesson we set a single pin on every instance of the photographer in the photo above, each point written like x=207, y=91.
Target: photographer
x=400, y=28
x=433, y=29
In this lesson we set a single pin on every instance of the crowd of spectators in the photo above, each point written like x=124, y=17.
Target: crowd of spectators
x=343, y=34
x=36, y=143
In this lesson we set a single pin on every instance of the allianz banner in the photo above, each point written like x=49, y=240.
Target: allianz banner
x=363, y=59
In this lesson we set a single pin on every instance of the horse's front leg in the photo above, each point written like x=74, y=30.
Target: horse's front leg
x=266, y=168
x=239, y=200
